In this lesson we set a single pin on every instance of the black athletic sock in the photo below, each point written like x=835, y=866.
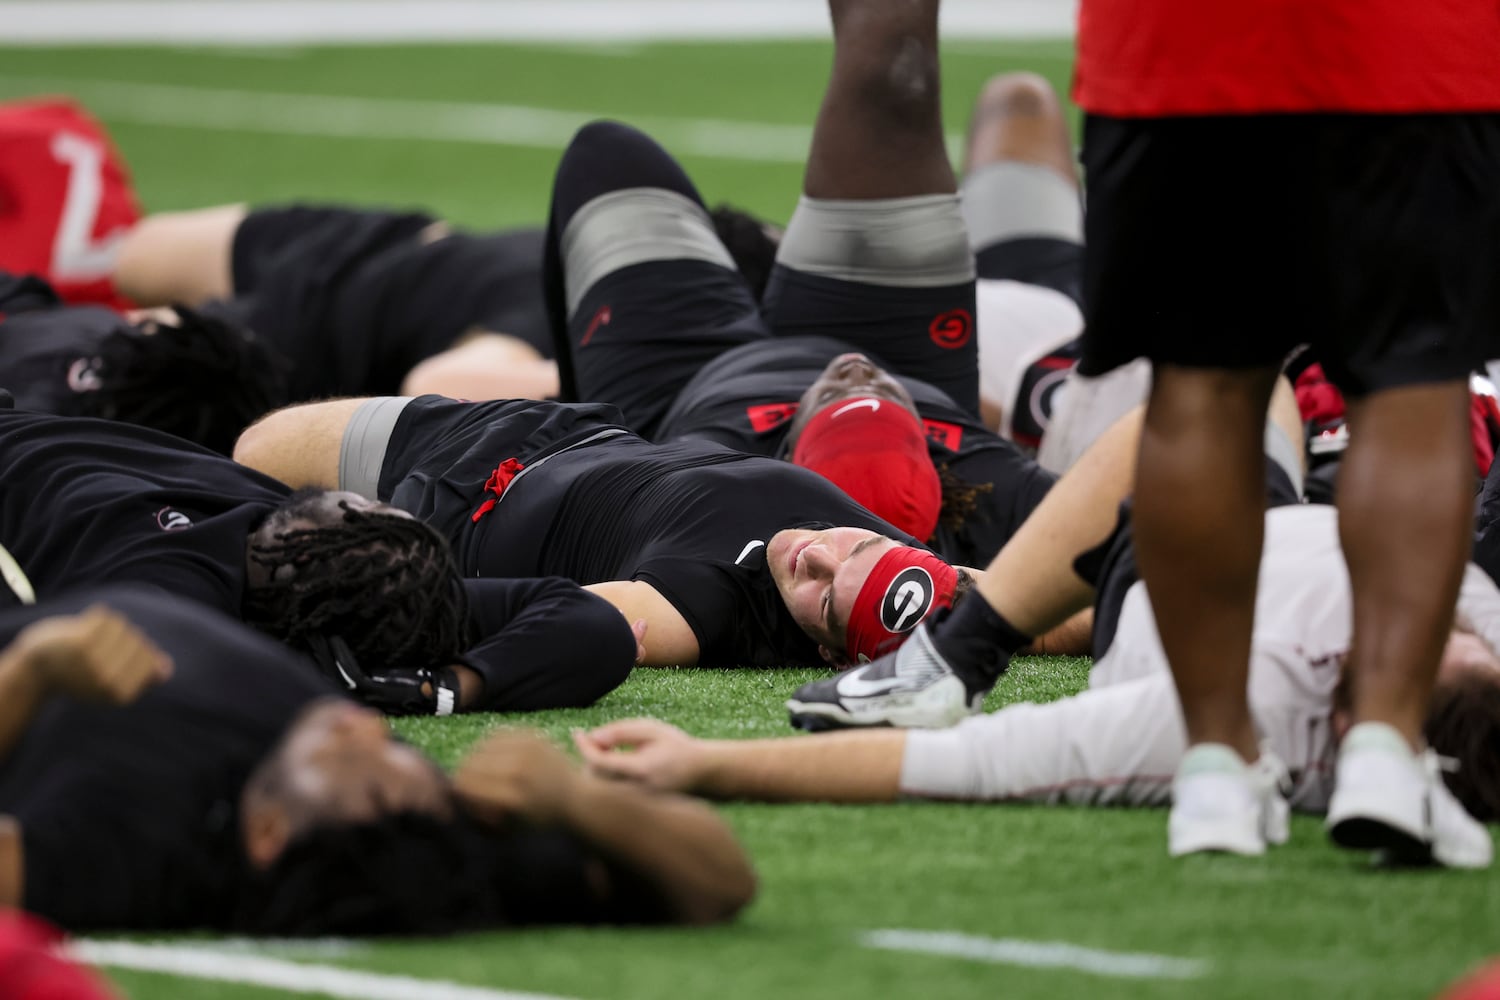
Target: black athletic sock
x=977, y=642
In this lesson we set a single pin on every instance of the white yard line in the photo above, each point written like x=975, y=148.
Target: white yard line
x=295, y=977
x=283, y=22
x=431, y=121
x=1036, y=954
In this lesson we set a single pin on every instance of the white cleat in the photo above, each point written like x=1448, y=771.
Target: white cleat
x=1389, y=799
x=1219, y=803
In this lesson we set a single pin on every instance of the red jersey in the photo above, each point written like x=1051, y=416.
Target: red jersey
x=1150, y=58
x=65, y=199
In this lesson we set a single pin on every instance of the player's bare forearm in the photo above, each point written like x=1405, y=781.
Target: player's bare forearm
x=854, y=766
x=681, y=846
x=1074, y=637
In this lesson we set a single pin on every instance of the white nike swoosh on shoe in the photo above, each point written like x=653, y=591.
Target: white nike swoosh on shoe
x=855, y=686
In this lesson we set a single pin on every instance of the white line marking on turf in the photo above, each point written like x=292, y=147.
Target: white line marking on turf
x=253, y=970
x=248, y=22
x=1037, y=954
x=384, y=118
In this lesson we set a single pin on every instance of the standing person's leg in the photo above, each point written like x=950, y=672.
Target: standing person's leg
x=1216, y=326
x=641, y=292
x=1413, y=273
x=876, y=253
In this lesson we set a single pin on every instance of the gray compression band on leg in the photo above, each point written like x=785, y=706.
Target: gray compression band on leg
x=915, y=242
x=633, y=226
x=362, y=451
x=1009, y=200
x=1284, y=452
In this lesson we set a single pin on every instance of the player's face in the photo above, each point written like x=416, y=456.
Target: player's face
x=819, y=573
x=339, y=764
x=846, y=377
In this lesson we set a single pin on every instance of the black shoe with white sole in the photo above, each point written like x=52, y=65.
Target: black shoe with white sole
x=911, y=688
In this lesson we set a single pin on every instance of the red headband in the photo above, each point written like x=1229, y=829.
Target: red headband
x=905, y=587
x=876, y=451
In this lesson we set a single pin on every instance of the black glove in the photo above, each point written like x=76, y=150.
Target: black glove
x=395, y=691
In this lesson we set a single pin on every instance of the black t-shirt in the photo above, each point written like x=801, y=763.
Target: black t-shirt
x=594, y=502
x=129, y=815
x=45, y=346
x=355, y=299
x=92, y=501
x=745, y=400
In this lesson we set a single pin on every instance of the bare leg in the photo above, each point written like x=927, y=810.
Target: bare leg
x=1406, y=503
x=1199, y=522
x=180, y=256
x=1031, y=581
x=1018, y=119
x=879, y=132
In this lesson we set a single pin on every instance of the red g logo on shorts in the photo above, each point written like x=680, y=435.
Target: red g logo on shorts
x=952, y=329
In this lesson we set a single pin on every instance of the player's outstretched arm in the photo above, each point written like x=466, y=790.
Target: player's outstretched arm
x=680, y=849
x=859, y=766
x=299, y=445
x=97, y=655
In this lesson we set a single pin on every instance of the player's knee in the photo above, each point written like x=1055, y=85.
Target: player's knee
x=607, y=156
x=900, y=83
x=1020, y=94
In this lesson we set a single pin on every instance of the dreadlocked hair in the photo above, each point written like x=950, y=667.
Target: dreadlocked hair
x=749, y=244
x=1464, y=723
x=960, y=498
x=204, y=379
x=411, y=873
x=386, y=584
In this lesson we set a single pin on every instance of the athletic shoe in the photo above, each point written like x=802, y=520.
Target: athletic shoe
x=911, y=688
x=1388, y=799
x=1219, y=803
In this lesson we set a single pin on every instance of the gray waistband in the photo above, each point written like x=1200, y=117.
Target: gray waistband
x=915, y=242
x=362, y=450
x=633, y=226
x=1007, y=201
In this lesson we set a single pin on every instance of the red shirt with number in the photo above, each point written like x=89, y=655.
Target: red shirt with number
x=65, y=199
x=1151, y=58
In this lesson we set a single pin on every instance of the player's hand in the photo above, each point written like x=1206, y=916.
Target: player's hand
x=646, y=751
x=97, y=655
x=517, y=772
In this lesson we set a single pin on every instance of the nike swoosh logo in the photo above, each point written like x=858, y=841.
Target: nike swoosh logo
x=345, y=675
x=749, y=548
x=855, y=686
x=873, y=404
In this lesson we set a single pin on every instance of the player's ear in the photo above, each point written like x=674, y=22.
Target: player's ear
x=837, y=659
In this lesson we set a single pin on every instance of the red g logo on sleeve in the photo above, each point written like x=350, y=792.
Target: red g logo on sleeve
x=952, y=329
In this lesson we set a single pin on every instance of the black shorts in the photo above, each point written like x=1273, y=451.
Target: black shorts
x=1225, y=242
x=641, y=333
x=1035, y=260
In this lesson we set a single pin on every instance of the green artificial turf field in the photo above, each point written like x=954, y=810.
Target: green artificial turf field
x=472, y=132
